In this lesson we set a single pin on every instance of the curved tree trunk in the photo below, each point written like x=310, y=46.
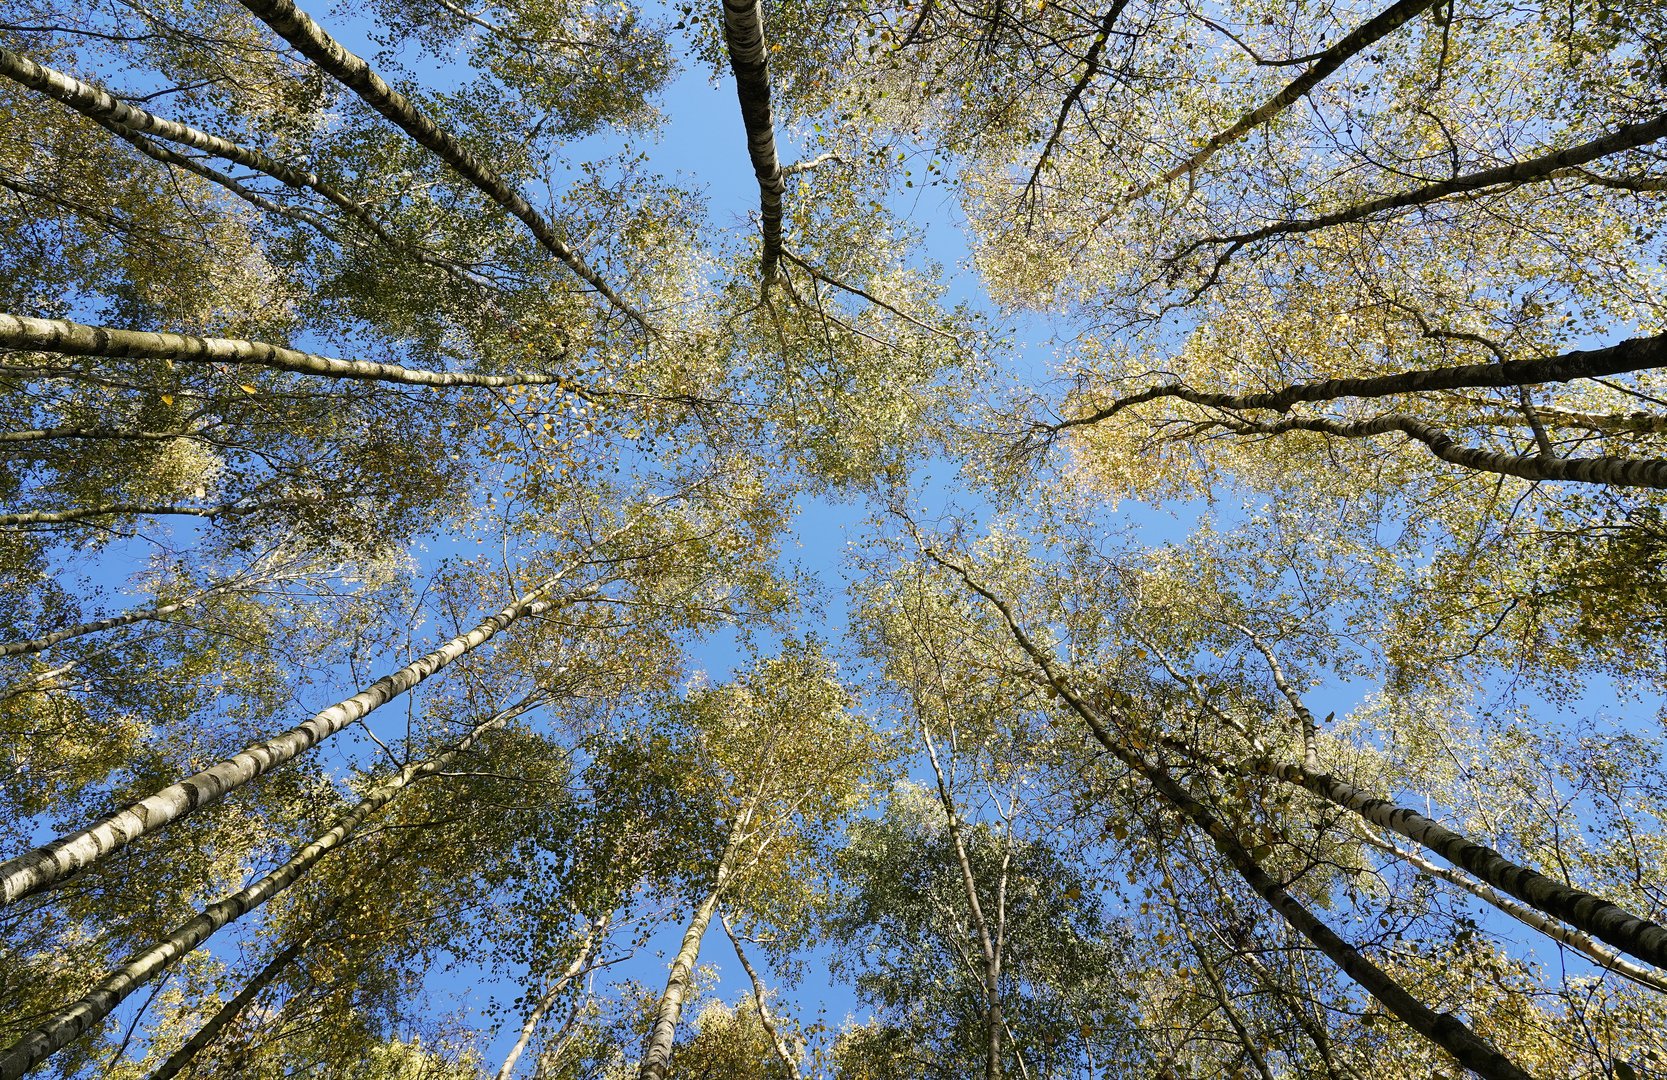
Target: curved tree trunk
x=1329, y=61
x=783, y=1051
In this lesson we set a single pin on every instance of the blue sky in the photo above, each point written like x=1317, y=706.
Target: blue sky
x=703, y=141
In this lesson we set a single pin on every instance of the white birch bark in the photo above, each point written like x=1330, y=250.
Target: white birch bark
x=109, y=111
x=81, y=513
x=43, y=867
x=74, y=339
x=75, y=1020
x=777, y=1040
x=1585, y=944
x=309, y=39
x=593, y=933
x=46, y=641
x=657, y=1056
x=749, y=58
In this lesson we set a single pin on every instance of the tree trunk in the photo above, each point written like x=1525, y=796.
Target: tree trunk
x=309, y=39
x=81, y=513
x=1327, y=62
x=1633, y=354
x=986, y=942
x=749, y=59
x=107, y=110
x=46, y=641
x=593, y=933
x=1443, y=1029
x=1574, y=939
x=231, y=1010
x=1544, y=167
x=45, y=866
x=73, y=339
x=657, y=1056
x=1593, y=914
x=783, y=1051
x=80, y=1017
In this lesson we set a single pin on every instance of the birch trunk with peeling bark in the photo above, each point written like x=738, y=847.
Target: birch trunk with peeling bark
x=1599, y=917
x=45, y=866
x=73, y=339
x=77, y=1019
x=657, y=1055
x=82, y=513
x=749, y=59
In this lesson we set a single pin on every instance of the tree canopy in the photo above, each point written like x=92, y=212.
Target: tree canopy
x=1087, y=542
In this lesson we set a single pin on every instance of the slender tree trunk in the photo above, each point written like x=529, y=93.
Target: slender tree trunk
x=12, y=438
x=1443, y=1029
x=1582, y=910
x=749, y=59
x=777, y=1040
x=81, y=513
x=233, y=1008
x=309, y=39
x=1090, y=68
x=969, y=884
x=1634, y=354
x=1312, y=1026
x=46, y=641
x=70, y=1023
x=107, y=110
x=593, y=933
x=73, y=339
x=158, y=152
x=45, y=866
x=1584, y=944
x=1544, y=167
x=1616, y=471
x=657, y=1056
x=1329, y=61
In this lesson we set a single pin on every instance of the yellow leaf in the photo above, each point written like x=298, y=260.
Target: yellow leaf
x=167, y=399
x=246, y=388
